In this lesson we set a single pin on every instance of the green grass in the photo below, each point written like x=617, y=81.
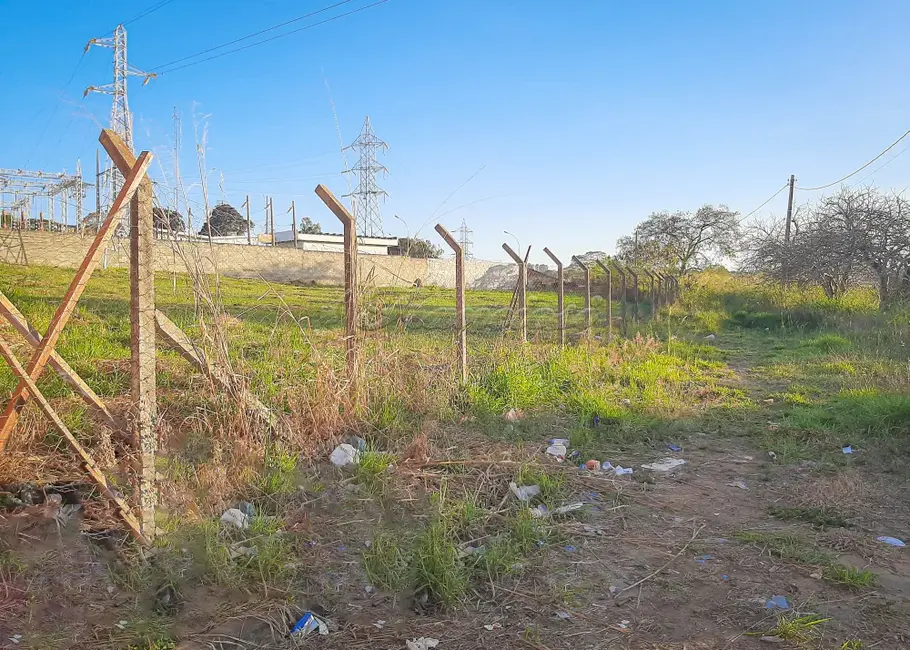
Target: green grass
x=786, y=546
x=821, y=517
x=849, y=577
x=386, y=564
x=796, y=629
x=371, y=469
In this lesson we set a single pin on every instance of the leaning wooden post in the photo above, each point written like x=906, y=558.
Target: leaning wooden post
x=560, y=297
x=142, y=329
x=350, y=281
x=460, y=319
x=522, y=290
x=609, y=297
x=634, y=292
x=587, y=273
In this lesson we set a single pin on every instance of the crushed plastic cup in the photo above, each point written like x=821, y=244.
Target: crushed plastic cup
x=848, y=449
x=619, y=470
x=673, y=447
x=344, y=455
x=606, y=466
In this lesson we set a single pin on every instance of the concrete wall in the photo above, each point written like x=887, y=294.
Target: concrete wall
x=275, y=264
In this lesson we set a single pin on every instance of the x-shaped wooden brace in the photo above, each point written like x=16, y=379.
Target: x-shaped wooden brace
x=45, y=349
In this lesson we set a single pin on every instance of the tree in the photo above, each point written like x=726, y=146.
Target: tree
x=682, y=241
x=167, y=219
x=309, y=227
x=415, y=247
x=853, y=236
x=224, y=220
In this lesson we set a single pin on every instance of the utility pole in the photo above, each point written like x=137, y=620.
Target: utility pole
x=294, y=223
x=176, y=160
x=787, y=229
x=249, y=236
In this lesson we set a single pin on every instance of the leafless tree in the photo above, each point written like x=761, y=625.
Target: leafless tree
x=856, y=235
x=682, y=241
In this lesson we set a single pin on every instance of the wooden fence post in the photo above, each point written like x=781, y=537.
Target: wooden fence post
x=460, y=317
x=522, y=290
x=660, y=293
x=651, y=292
x=42, y=353
x=142, y=330
x=622, y=295
x=609, y=297
x=560, y=297
x=587, y=273
x=350, y=281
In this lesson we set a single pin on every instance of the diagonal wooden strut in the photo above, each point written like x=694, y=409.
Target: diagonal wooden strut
x=43, y=352
x=90, y=466
x=61, y=367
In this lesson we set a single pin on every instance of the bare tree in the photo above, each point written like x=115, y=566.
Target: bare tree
x=682, y=241
x=856, y=235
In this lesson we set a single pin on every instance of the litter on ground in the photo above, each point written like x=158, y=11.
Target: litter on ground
x=344, y=455
x=665, y=465
x=524, y=492
x=893, y=541
x=673, y=447
x=738, y=484
x=307, y=623
x=778, y=602
x=423, y=643
x=236, y=518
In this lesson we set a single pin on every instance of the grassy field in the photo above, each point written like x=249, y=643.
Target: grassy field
x=761, y=387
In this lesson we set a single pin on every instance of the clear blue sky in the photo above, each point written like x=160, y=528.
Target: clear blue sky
x=585, y=116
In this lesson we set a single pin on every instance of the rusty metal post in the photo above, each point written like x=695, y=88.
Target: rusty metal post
x=350, y=282
x=522, y=294
x=560, y=297
x=609, y=297
x=460, y=319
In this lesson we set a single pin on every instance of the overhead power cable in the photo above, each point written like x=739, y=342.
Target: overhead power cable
x=767, y=201
x=159, y=69
x=853, y=173
x=155, y=7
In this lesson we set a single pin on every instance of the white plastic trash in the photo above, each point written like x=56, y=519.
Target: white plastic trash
x=344, y=455
x=524, y=492
x=557, y=451
x=423, y=643
x=665, y=465
x=236, y=518
x=619, y=470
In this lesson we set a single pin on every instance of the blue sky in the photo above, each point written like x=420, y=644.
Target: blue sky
x=583, y=116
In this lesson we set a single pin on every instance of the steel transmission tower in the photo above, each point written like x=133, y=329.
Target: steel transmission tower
x=121, y=118
x=367, y=195
x=464, y=239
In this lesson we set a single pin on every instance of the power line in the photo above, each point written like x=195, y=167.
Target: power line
x=148, y=11
x=259, y=33
x=767, y=201
x=853, y=173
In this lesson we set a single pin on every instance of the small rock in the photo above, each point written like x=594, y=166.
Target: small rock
x=379, y=624
x=738, y=484
x=564, y=616
x=493, y=626
x=816, y=574
x=710, y=337
x=772, y=455
x=770, y=400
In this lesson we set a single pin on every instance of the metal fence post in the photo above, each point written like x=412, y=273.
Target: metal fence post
x=622, y=295
x=587, y=273
x=634, y=292
x=350, y=281
x=651, y=292
x=560, y=296
x=460, y=320
x=522, y=290
x=609, y=297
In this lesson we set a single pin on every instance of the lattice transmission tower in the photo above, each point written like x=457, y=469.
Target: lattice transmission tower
x=464, y=239
x=367, y=195
x=121, y=117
